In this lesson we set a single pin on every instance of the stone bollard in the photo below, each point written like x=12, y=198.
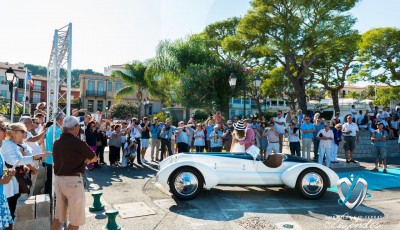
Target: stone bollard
x=111, y=223
x=97, y=205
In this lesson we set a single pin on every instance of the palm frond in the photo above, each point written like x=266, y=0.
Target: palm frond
x=125, y=91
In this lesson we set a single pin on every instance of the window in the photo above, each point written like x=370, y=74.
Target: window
x=37, y=85
x=118, y=86
x=3, y=80
x=91, y=85
x=100, y=86
x=20, y=96
x=109, y=104
x=36, y=98
x=100, y=106
x=4, y=93
x=90, y=106
x=20, y=83
x=109, y=86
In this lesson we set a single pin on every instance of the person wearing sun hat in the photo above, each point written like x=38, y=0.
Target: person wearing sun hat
x=238, y=135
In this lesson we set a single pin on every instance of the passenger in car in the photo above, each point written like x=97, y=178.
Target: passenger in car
x=238, y=135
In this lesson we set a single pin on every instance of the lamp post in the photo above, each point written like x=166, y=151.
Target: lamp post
x=145, y=103
x=12, y=79
x=256, y=84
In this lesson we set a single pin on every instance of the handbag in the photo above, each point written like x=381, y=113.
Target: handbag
x=24, y=181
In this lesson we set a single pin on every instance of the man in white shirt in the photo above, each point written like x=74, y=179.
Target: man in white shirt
x=280, y=128
x=350, y=132
x=136, y=132
x=386, y=113
x=325, y=137
x=380, y=116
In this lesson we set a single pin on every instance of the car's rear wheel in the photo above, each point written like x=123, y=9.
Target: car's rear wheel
x=186, y=183
x=312, y=183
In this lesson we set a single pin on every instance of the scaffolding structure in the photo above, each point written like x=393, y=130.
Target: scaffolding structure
x=60, y=58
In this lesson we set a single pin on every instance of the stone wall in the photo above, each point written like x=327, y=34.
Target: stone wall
x=365, y=148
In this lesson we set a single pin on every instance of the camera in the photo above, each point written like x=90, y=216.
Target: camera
x=321, y=135
x=137, y=122
x=48, y=124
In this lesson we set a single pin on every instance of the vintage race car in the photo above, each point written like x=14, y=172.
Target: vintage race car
x=187, y=173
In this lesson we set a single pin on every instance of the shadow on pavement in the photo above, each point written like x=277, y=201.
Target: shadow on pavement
x=220, y=204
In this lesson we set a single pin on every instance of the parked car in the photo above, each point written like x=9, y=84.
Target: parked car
x=187, y=173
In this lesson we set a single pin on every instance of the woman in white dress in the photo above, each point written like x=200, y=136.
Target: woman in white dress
x=237, y=135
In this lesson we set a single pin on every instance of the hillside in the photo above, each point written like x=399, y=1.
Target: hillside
x=41, y=70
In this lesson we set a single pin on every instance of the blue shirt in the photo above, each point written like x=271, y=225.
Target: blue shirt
x=49, y=142
x=304, y=127
x=182, y=137
x=166, y=134
x=1, y=175
x=317, y=129
x=209, y=129
x=380, y=135
x=11, y=152
x=217, y=142
x=155, y=131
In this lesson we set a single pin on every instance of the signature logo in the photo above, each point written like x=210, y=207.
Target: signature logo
x=352, y=192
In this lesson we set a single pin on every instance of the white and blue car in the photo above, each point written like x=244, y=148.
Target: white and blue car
x=187, y=173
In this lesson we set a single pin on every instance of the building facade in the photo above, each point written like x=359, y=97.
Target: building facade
x=20, y=72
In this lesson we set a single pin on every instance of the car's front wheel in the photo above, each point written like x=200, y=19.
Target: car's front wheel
x=312, y=183
x=186, y=183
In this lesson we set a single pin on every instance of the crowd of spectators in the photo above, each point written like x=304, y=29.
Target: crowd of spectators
x=28, y=144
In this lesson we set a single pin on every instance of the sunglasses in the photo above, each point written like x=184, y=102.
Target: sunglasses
x=4, y=129
x=22, y=131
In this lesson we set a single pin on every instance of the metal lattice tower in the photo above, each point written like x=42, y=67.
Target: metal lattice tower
x=60, y=58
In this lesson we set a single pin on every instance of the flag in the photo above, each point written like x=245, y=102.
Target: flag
x=29, y=79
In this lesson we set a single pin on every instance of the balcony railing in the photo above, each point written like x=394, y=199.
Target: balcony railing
x=36, y=100
x=39, y=88
x=95, y=93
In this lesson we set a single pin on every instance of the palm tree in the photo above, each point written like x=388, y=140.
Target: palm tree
x=133, y=77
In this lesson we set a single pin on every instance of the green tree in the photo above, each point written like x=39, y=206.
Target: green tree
x=207, y=86
x=337, y=64
x=133, y=77
x=123, y=110
x=295, y=33
x=276, y=84
x=370, y=92
x=352, y=94
x=380, y=53
x=171, y=61
x=385, y=95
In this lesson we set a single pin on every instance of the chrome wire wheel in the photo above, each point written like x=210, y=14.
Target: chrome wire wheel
x=312, y=184
x=186, y=184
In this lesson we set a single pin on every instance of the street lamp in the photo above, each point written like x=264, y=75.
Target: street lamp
x=145, y=103
x=12, y=79
x=256, y=84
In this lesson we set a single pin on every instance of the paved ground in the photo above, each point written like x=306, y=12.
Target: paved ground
x=237, y=207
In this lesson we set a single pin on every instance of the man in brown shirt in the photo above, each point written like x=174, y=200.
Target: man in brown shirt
x=70, y=155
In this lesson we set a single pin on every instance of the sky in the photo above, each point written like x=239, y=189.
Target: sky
x=116, y=32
